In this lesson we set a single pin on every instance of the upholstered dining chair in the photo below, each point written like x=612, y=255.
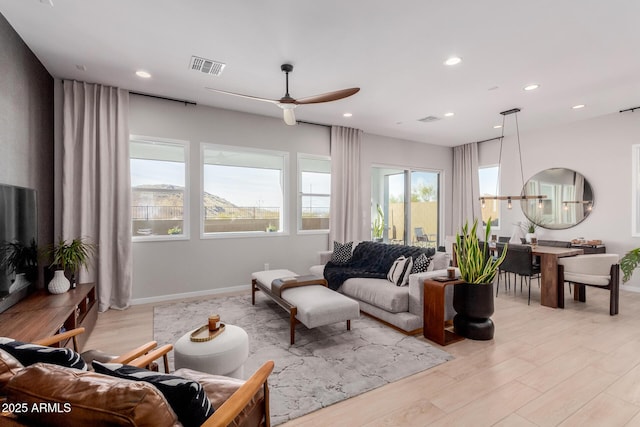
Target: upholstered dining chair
x=597, y=270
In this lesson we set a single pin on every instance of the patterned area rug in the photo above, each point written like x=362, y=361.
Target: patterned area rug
x=325, y=365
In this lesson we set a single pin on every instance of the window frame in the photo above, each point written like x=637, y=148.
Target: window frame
x=284, y=231
x=186, y=223
x=301, y=194
x=407, y=171
x=496, y=202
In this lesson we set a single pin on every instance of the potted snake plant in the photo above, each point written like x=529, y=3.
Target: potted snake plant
x=473, y=299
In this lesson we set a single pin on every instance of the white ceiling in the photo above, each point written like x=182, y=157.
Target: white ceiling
x=579, y=51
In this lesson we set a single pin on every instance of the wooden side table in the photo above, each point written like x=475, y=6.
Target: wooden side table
x=434, y=327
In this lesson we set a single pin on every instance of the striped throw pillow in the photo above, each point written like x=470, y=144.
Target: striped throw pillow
x=399, y=272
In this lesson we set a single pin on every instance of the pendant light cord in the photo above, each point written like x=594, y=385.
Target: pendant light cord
x=500, y=156
x=519, y=152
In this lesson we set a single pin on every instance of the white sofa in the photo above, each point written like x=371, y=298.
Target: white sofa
x=401, y=307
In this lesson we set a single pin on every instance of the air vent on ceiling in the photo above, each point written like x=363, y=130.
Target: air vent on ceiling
x=206, y=66
x=429, y=119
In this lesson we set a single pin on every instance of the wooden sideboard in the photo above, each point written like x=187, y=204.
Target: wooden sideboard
x=591, y=249
x=42, y=314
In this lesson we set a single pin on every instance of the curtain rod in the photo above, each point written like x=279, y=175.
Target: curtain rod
x=487, y=140
x=629, y=109
x=164, y=98
x=312, y=123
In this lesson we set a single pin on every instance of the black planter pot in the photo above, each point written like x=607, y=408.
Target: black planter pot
x=474, y=307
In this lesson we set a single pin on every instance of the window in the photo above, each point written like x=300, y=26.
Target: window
x=489, y=178
x=405, y=206
x=314, y=194
x=243, y=191
x=159, y=195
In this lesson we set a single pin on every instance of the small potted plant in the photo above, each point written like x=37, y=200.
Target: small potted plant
x=21, y=260
x=69, y=256
x=378, y=225
x=529, y=227
x=473, y=299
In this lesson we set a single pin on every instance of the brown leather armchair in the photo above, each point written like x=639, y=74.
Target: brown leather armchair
x=74, y=397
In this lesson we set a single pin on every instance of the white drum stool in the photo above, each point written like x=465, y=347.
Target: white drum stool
x=223, y=355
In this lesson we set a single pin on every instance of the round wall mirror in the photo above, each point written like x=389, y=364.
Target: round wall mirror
x=568, y=198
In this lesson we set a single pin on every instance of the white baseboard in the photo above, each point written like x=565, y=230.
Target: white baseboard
x=208, y=292
x=630, y=288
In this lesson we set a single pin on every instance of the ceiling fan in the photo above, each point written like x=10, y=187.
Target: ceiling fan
x=287, y=103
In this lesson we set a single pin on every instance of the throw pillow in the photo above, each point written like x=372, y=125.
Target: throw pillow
x=421, y=264
x=28, y=354
x=186, y=397
x=399, y=272
x=439, y=261
x=341, y=252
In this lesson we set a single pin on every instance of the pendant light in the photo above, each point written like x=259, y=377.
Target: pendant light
x=509, y=198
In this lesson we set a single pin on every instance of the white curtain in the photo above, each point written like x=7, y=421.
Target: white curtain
x=466, y=187
x=345, y=221
x=95, y=200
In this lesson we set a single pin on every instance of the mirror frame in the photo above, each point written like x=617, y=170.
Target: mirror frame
x=564, y=207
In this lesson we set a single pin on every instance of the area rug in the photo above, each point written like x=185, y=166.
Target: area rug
x=325, y=365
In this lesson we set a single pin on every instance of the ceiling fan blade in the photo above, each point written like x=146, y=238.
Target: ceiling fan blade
x=329, y=96
x=273, y=101
x=289, y=116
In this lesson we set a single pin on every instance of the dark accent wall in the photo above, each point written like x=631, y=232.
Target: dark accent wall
x=26, y=125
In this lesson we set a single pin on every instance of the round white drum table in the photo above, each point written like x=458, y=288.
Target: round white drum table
x=223, y=355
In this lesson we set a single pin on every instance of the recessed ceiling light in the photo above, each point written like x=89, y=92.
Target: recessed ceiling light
x=532, y=87
x=347, y=115
x=143, y=74
x=497, y=126
x=577, y=107
x=454, y=60
x=449, y=114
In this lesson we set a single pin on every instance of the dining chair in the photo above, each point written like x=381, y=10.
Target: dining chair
x=597, y=270
x=519, y=261
x=421, y=237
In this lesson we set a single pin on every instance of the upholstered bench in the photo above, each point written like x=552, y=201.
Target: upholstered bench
x=306, y=298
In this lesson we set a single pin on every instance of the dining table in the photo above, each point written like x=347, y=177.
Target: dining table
x=552, y=292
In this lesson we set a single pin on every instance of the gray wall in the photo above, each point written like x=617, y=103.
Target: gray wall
x=600, y=149
x=201, y=266
x=26, y=125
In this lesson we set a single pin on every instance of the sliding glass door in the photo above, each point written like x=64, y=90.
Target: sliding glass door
x=405, y=206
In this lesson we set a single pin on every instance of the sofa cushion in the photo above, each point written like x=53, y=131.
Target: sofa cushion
x=341, y=253
x=378, y=292
x=439, y=261
x=86, y=398
x=186, y=397
x=28, y=354
x=399, y=272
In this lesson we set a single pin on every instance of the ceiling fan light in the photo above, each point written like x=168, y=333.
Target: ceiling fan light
x=287, y=106
x=289, y=116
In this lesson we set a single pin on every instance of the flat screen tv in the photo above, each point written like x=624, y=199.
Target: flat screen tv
x=18, y=243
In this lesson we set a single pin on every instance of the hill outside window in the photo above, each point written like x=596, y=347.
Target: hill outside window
x=243, y=191
x=159, y=194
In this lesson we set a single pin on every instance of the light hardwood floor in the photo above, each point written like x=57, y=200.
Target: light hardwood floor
x=545, y=367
